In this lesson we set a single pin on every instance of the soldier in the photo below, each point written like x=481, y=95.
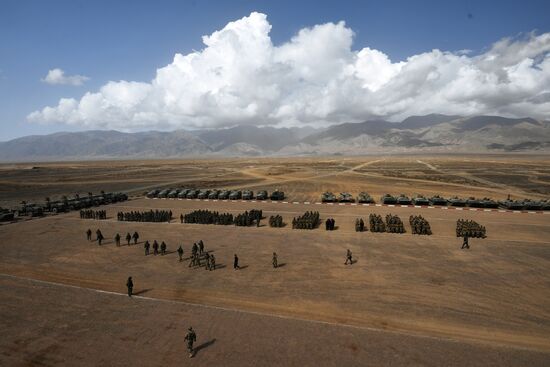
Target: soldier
x=163, y=248
x=89, y=234
x=130, y=285
x=236, y=263
x=99, y=236
x=212, y=262
x=117, y=239
x=361, y=225
x=348, y=258
x=180, y=253
x=207, y=260
x=135, y=237
x=181, y=218
x=201, y=247
x=128, y=238
x=191, y=337
x=465, y=244
x=155, y=248
x=146, y=246
x=274, y=260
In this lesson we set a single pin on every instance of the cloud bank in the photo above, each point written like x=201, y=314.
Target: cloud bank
x=316, y=78
x=57, y=76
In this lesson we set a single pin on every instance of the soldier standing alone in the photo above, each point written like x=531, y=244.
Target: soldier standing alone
x=130, y=285
x=180, y=253
x=465, y=244
x=99, y=237
x=274, y=260
x=348, y=258
x=236, y=263
x=117, y=239
x=89, y=234
x=191, y=337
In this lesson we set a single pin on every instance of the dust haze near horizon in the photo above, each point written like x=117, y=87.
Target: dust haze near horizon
x=316, y=78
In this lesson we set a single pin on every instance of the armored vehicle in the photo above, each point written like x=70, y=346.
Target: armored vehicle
x=203, y=194
x=388, y=199
x=545, y=204
x=59, y=207
x=164, y=193
x=277, y=195
x=30, y=209
x=328, y=197
x=472, y=202
x=420, y=200
x=403, y=200
x=183, y=194
x=438, y=200
x=512, y=204
x=235, y=195
x=248, y=195
x=174, y=193
x=6, y=215
x=346, y=198
x=153, y=193
x=213, y=194
x=456, y=201
x=489, y=203
x=533, y=205
x=223, y=195
x=364, y=197
x=192, y=194
x=261, y=195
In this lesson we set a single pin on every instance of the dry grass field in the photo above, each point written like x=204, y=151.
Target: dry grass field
x=408, y=300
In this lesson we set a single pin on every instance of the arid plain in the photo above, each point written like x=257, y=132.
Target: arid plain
x=408, y=300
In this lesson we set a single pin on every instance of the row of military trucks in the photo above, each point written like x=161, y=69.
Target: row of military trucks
x=66, y=204
x=420, y=200
x=214, y=194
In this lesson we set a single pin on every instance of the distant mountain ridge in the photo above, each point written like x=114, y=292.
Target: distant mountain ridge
x=415, y=134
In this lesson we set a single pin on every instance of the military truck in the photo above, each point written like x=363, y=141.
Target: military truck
x=261, y=195
x=328, y=197
x=223, y=195
x=403, y=200
x=421, y=200
x=235, y=195
x=153, y=193
x=183, y=193
x=203, y=194
x=388, y=199
x=438, y=201
x=32, y=210
x=248, y=195
x=365, y=198
x=213, y=194
x=346, y=197
x=456, y=201
x=277, y=195
x=173, y=193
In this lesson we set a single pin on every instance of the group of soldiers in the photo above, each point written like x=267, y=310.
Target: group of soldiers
x=93, y=214
x=376, y=223
x=309, y=220
x=249, y=218
x=98, y=234
x=359, y=225
x=204, y=216
x=147, y=216
x=419, y=225
x=156, y=247
x=470, y=228
x=394, y=224
x=330, y=224
x=198, y=253
x=276, y=221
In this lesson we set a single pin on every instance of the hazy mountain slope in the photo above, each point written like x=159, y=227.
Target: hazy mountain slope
x=417, y=122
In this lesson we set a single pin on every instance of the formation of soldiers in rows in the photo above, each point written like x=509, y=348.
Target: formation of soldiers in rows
x=470, y=228
x=204, y=216
x=276, y=221
x=309, y=220
x=394, y=224
x=419, y=225
x=359, y=225
x=93, y=214
x=330, y=224
x=376, y=223
x=248, y=218
x=147, y=216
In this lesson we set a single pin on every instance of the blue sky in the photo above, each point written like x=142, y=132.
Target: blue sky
x=129, y=40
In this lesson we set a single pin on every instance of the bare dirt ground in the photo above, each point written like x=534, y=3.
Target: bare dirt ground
x=408, y=300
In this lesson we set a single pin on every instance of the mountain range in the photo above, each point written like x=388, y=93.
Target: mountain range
x=433, y=133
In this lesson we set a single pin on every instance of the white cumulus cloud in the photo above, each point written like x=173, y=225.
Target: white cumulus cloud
x=57, y=76
x=317, y=78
